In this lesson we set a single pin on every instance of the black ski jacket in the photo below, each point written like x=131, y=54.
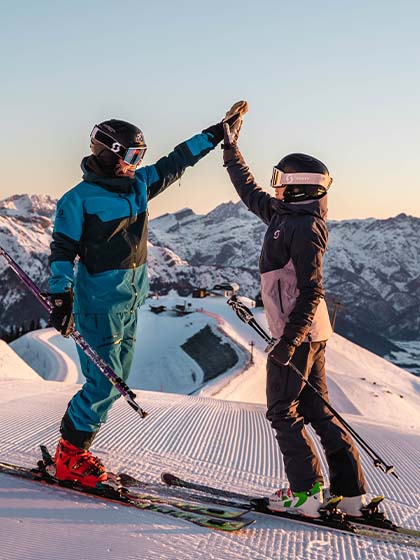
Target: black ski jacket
x=291, y=257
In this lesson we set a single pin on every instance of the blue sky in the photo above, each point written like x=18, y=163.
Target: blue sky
x=339, y=80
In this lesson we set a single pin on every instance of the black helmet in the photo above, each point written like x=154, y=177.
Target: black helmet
x=114, y=139
x=305, y=177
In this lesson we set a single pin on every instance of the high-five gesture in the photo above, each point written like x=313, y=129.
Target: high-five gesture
x=232, y=123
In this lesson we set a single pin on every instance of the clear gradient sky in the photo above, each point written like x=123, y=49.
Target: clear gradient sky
x=339, y=80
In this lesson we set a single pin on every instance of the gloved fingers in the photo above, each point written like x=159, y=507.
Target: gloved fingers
x=239, y=108
x=231, y=132
x=237, y=127
x=227, y=135
x=62, y=322
x=282, y=352
x=68, y=326
x=61, y=315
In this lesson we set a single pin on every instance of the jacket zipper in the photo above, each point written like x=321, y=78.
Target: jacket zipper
x=280, y=298
x=134, y=289
x=133, y=286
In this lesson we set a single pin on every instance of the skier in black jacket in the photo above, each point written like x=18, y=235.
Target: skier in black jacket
x=293, y=296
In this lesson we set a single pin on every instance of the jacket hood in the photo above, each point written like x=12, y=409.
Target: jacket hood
x=92, y=174
x=318, y=207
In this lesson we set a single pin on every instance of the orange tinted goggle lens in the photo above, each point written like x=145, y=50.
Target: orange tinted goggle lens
x=134, y=156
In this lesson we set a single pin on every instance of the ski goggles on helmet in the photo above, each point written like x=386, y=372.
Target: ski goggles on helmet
x=281, y=179
x=132, y=156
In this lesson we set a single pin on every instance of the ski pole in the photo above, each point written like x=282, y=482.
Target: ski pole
x=103, y=367
x=245, y=314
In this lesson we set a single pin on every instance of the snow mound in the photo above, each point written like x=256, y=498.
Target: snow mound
x=52, y=356
x=12, y=366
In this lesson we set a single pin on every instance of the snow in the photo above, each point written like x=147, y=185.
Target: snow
x=158, y=349
x=220, y=435
x=12, y=366
x=53, y=357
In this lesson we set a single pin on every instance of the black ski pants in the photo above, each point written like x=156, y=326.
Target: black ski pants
x=292, y=404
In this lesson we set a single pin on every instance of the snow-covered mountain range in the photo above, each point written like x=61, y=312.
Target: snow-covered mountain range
x=372, y=266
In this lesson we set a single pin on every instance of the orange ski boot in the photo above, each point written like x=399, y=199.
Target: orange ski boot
x=78, y=465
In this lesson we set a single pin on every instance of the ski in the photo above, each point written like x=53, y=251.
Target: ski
x=114, y=481
x=373, y=517
x=189, y=507
x=129, y=481
x=333, y=518
x=172, y=480
x=373, y=524
x=173, y=508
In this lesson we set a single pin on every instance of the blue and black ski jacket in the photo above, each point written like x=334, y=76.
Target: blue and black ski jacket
x=104, y=223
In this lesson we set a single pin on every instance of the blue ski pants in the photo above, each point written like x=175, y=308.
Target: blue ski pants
x=113, y=337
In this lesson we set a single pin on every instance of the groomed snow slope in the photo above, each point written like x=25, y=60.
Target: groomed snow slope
x=224, y=442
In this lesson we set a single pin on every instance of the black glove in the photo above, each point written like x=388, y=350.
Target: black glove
x=282, y=352
x=61, y=315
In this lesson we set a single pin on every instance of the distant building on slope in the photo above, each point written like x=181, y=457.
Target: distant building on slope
x=226, y=289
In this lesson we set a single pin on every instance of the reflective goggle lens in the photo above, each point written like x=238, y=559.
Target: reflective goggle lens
x=276, y=178
x=134, y=156
x=279, y=179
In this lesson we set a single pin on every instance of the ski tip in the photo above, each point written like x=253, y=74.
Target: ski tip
x=169, y=479
x=126, y=479
x=247, y=523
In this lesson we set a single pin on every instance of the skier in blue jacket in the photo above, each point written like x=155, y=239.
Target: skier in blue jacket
x=103, y=222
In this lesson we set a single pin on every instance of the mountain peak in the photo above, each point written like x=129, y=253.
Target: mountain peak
x=183, y=213
x=227, y=210
x=25, y=204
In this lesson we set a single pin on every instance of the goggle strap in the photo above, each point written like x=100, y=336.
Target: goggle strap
x=107, y=141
